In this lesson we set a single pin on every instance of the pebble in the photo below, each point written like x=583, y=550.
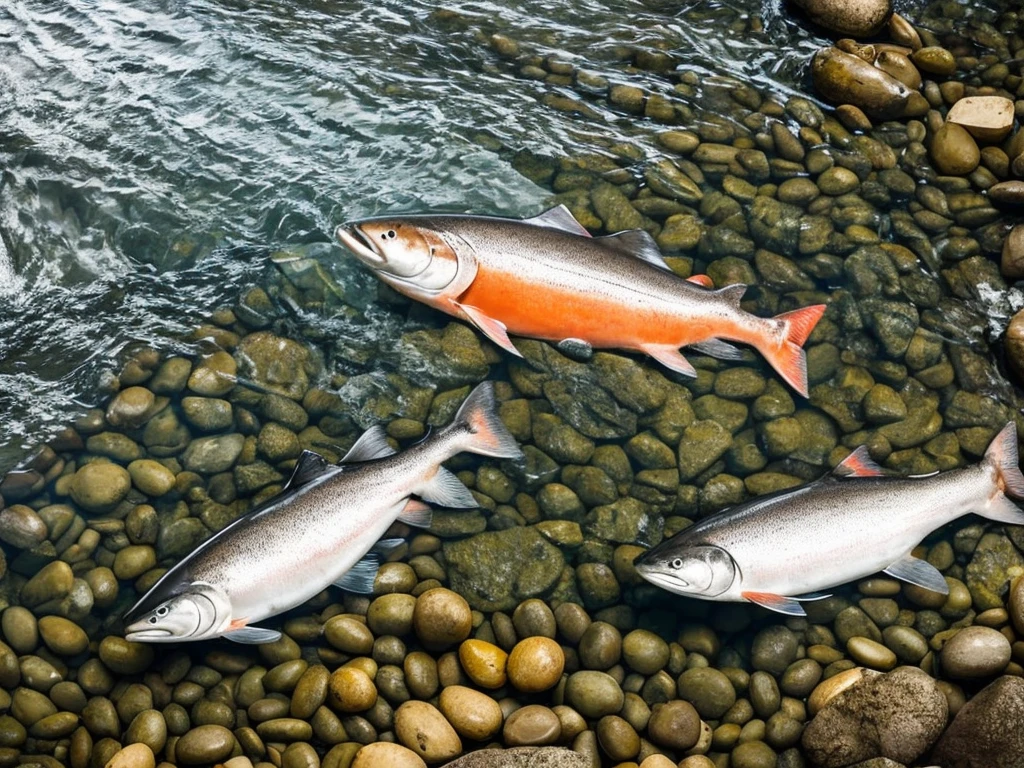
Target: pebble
x=473, y=715
x=1012, y=263
x=832, y=686
x=708, y=689
x=871, y=654
x=532, y=726
x=674, y=725
x=63, y=637
x=1008, y=192
x=130, y=408
x=617, y=738
x=847, y=79
x=132, y=756
x=535, y=664
x=100, y=486
x=441, y=618
x=21, y=527
x=975, y=652
x=934, y=60
x=484, y=662
x=205, y=744
x=986, y=118
x=593, y=694
x=424, y=730
x=151, y=477
x=860, y=18
x=954, y=150
x=382, y=753
x=351, y=690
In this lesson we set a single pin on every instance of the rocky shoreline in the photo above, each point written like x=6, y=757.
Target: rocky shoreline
x=523, y=623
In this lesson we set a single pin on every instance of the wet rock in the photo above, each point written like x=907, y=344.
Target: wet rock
x=665, y=178
x=593, y=694
x=861, y=18
x=474, y=715
x=494, y=571
x=210, y=455
x=21, y=527
x=898, y=715
x=281, y=365
x=703, y=443
x=900, y=67
x=209, y=414
x=423, y=729
x=521, y=757
x=986, y=118
x=844, y=78
x=214, y=376
x=986, y=731
x=708, y=689
x=205, y=744
x=151, y=477
x=975, y=652
x=934, y=60
x=100, y=486
x=1007, y=192
x=954, y=151
x=1015, y=344
x=1012, y=264
x=535, y=664
x=447, y=358
x=626, y=521
x=130, y=408
x=995, y=561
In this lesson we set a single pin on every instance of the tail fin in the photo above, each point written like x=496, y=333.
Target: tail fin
x=486, y=434
x=1002, y=454
x=789, y=358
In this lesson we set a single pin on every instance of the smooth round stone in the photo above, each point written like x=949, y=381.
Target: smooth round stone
x=1012, y=266
x=215, y=375
x=862, y=18
x=151, y=477
x=310, y=692
x=20, y=629
x=21, y=527
x=133, y=756
x=593, y=694
x=773, y=649
x=204, y=744
x=831, y=687
x=844, y=78
x=975, y=652
x=909, y=645
x=133, y=561
x=149, y=728
x=534, y=617
x=63, y=637
x=871, y=654
x=53, y=581
x=484, y=662
x=838, y=181
x=391, y=614
x=644, y=651
x=601, y=646
x=709, y=690
x=207, y=413
x=617, y=738
x=421, y=675
x=1015, y=604
x=286, y=729
x=954, y=151
x=424, y=730
x=1009, y=192
x=473, y=715
x=99, y=486
x=123, y=657
x=130, y=407
x=441, y=618
x=382, y=753
x=535, y=664
x=348, y=635
x=351, y=690
x=934, y=60
x=674, y=725
x=394, y=577
x=753, y=754
x=532, y=726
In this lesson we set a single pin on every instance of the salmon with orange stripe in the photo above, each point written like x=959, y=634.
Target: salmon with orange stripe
x=323, y=529
x=547, y=278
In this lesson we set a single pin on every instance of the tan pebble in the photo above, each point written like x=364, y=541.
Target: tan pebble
x=238, y=762
x=860, y=19
x=847, y=79
x=975, y=652
x=831, y=687
x=132, y=756
x=871, y=654
x=697, y=761
x=350, y=689
x=674, y=725
x=441, y=618
x=903, y=32
x=954, y=150
x=572, y=721
x=853, y=117
x=1015, y=604
x=1012, y=266
x=382, y=754
x=535, y=664
x=484, y=663
x=617, y=738
x=899, y=66
x=1015, y=358
x=474, y=715
x=1009, y=192
x=424, y=730
x=532, y=726
x=935, y=60
x=657, y=761
x=987, y=118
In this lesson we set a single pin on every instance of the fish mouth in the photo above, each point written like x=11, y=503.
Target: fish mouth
x=141, y=631
x=353, y=238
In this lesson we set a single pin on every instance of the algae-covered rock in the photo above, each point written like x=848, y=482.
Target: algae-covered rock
x=209, y=455
x=626, y=521
x=446, y=358
x=279, y=364
x=495, y=571
x=994, y=563
x=702, y=444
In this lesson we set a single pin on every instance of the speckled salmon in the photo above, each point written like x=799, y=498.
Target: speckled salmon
x=779, y=549
x=319, y=531
x=546, y=278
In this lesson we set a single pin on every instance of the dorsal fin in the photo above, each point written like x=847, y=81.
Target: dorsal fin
x=858, y=464
x=732, y=293
x=638, y=243
x=309, y=466
x=561, y=218
x=372, y=444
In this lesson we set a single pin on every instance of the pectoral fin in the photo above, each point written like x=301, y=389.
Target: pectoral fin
x=415, y=513
x=671, y=358
x=360, y=577
x=777, y=603
x=919, y=572
x=494, y=330
x=252, y=635
x=561, y=218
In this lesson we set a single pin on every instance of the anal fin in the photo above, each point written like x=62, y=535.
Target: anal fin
x=778, y=603
x=670, y=357
x=360, y=577
x=252, y=635
x=919, y=572
x=495, y=330
x=718, y=349
x=415, y=513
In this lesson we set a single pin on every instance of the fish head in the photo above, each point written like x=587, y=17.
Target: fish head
x=417, y=254
x=198, y=612
x=700, y=570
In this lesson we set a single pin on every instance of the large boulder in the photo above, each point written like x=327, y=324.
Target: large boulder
x=898, y=715
x=987, y=732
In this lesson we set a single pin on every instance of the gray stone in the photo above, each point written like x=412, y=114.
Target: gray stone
x=986, y=732
x=210, y=455
x=521, y=757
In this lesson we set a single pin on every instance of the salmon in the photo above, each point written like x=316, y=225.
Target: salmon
x=781, y=549
x=547, y=278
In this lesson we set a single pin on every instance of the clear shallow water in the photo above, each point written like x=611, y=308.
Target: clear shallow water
x=154, y=152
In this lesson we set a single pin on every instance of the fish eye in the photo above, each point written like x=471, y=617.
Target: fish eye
x=677, y=563
x=389, y=235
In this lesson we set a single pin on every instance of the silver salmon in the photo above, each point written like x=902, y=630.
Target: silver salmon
x=319, y=532
x=779, y=549
x=547, y=278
